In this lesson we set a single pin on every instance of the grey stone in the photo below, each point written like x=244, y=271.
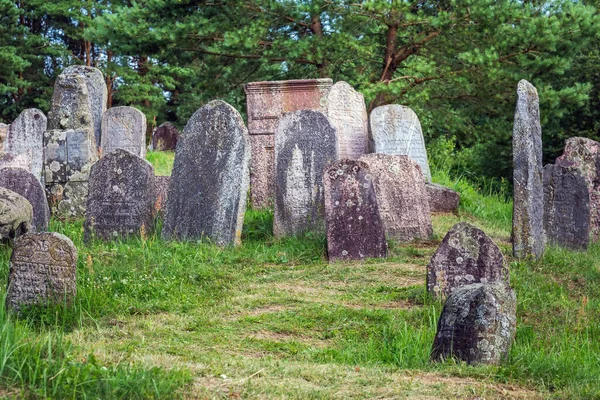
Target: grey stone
x=121, y=197
x=354, y=228
x=16, y=215
x=124, y=128
x=161, y=189
x=305, y=143
x=396, y=130
x=566, y=207
x=347, y=112
x=477, y=324
x=165, y=137
x=43, y=270
x=25, y=184
x=401, y=196
x=70, y=108
x=25, y=136
x=210, y=179
x=442, y=199
x=3, y=133
x=23, y=161
x=466, y=255
x=528, y=192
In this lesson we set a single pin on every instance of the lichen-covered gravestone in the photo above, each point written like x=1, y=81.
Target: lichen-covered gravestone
x=165, y=137
x=210, y=179
x=566, y=207
x=42, y=270
x=401, y=196
x=26, y=136
x=466, y=255
x=477, y=324
x=120, y=197
x=442, y=199
x=354, y=228
x=396, y=130
x=347, y=112
x=528, y=192
x=23, y=182
x=305, y=144
x=16, y=215
x=124, y=128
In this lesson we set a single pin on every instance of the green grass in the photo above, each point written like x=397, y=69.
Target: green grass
x=162, y=161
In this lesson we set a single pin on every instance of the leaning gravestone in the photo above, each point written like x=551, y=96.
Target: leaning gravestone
x=354, y=228
x=466, y=255
x=401, y=196
x=98, y=93
x=25, y=183
x=396, y=130
x=477, y=324
x=124, y=128
x=42, y=270
x=305, y=143
x=3, y=133
x=528, y=192
x=26, y=136
x=210, y=179
x=165, y=137
x=566, y=207
x=16, y=215
x=347, y=112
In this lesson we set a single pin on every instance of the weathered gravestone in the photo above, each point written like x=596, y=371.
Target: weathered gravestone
x=98, y=94
x=165, y=137
x=16, y=215
x=210, y=179
x=266, y=103
x=347, y=112
x=25, y=184
x=42, y=270
x=442, y=199
x=396, y=130
x=528, y=192
x=26, y=136
x=23, y=161
x=120, y=197
x=477, y=324
x=466, y=255
x=3, y=133
x=305, y=144
x=354, y=228
x=124, y=128
x=401, y=196
x=566, y=207
x=161, y=190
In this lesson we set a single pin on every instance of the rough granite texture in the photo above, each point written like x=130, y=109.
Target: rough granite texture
x=401, y=196
x=161, y=190
x=26, y=136
x=442, y=199
x=164, y=138
x=566, y=207
x=24, y=183
x=121, y=197
x=466, y=255
x=266, y=103
x=396, y=130
x=3, y=133
x=43, y=270
x=124, y=128
x=354, y=227
x=16, y=215
x=23, y=161
x=347, y=112
x=477, y=324
x=528, y=193
x=305, y=144
x=210, y=179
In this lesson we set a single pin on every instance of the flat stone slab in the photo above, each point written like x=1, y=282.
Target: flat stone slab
x=16, y=215
x=26, y=136
x=124, y=128
x=24, y=183
x=165, y=137
x=442, y=199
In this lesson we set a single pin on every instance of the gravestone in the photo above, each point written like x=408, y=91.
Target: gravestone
x=466, y=255
x=266, y=103
x=42, y=270
x=477, y=324
x=161, y=189
x=442, y=199
x=121, y=197
x=23, y=161
x=3, y=133
x=165, y=137
x=16, y=215
x=124, y=128
x=396, y=130
x=98, y=94
x=305, y=144
x=25, y=184
x=401, y=196
x=566, y=207
x=210, y=179
x=25, y=136
x=528, y=192
x=347, y=112
x=70, y=107
x=354, y=228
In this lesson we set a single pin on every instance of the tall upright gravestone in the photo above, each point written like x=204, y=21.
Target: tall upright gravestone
x=305, y=143
x=124, y=128
x=210, y=179
x=266, y=103
x=528, y=192
x=23, y=182
x=396, y=130
x=26, y=136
